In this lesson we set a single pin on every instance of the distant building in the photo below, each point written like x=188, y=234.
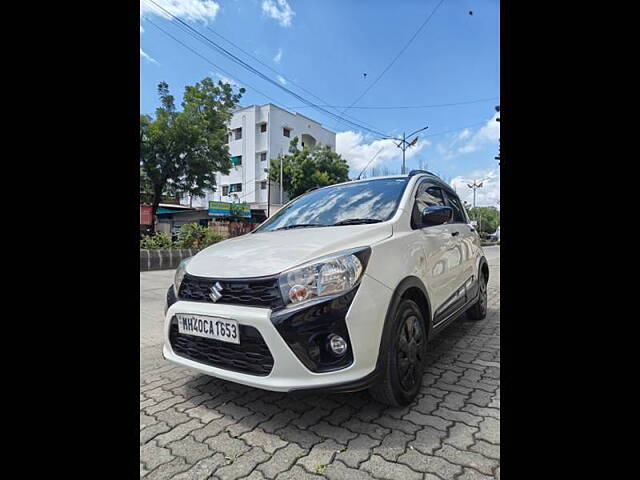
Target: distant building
x=257, y=134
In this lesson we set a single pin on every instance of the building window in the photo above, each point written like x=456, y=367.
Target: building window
x=263, y=185
x=263, y=127
x=236, y=161
x=286, y=132
x=263, y=156
x=225, y=190
x=238, y=133
x=235, y=187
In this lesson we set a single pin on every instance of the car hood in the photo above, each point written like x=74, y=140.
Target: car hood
x=268, y=253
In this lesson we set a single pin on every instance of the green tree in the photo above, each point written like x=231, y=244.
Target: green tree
x=488, y=218
x=308, y=167
x=181, y=151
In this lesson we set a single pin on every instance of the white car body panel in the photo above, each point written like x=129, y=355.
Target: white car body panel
x=268, y=253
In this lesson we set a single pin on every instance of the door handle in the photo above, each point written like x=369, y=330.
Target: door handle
x=453, y=234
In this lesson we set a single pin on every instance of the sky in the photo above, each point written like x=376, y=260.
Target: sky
x=447, y=71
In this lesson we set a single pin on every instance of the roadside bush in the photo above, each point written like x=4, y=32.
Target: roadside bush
x=196, y=236
x=155, y=242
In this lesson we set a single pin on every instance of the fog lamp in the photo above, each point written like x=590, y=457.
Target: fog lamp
x=337, y=344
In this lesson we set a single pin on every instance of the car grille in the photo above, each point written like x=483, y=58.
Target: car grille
x=259, y=292
x=251, y=356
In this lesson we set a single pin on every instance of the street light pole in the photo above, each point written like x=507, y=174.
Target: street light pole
x=403, y=144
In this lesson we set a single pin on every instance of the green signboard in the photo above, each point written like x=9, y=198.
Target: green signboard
x=226, y=209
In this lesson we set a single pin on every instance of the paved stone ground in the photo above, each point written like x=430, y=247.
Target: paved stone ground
x=196, y=427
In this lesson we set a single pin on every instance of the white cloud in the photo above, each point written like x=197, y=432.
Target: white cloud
x=489, y=133
x=281, y=79
x=225, y=79
x=146, y=56
x=278, y=56
x=281, y=12
x=488, y=195
x=352, y=146
x=190, y=10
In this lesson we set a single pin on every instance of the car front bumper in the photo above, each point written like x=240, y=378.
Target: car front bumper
x=364, y=321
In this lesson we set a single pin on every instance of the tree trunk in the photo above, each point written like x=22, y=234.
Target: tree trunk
x=157, y=196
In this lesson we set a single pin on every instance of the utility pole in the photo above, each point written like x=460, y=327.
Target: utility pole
x=475, y=186
x=281, y=180
x=497, y=120
x=403, y=145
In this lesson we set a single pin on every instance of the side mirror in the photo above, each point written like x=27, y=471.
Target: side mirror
x=436, y=215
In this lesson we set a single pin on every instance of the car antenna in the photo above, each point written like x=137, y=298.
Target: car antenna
x=365, y=167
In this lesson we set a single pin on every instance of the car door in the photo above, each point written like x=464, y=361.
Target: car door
x=439, y=246
x=467, y=242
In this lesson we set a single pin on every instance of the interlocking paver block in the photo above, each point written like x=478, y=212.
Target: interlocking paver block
x=428, y=420
x=380, y=468
x=153, y=431
x=304, y=438
x=203, y=469
x=267, y=441
x=281, y=461
x=430, y=464
x=298, y=473
x=151, y=455
x=393, y=445
x=178, y=432
x=339, y=434
x=225, y=444
x=339, y=471
x=473, y=475
x=241, y=466
x=213, y=428
x=458, y=416
x=189, y=449
x=468, y=459
x=489, y=430
x=358, y=450
x=168, y=470
x=461, y=436
x=427, y=440
x=172, y=417
x=321, y=454
x=246, y=424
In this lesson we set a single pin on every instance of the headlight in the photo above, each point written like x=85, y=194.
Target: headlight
x=180, y=273
x=326, y=276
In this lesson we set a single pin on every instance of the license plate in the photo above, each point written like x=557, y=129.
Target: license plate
x=222, y=329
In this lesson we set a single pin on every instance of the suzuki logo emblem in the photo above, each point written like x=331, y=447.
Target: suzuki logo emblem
x=215, y=292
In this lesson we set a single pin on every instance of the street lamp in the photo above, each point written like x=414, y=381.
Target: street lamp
x=404, y=144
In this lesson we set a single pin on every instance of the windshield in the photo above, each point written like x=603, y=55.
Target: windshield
x=350, y=204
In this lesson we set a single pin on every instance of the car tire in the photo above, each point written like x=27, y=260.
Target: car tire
x=403, y=358
x=478, y=311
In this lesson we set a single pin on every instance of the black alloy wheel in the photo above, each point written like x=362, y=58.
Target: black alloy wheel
x=403, y=356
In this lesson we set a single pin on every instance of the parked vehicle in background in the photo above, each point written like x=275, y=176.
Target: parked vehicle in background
x=495, y=236
x=340, y=290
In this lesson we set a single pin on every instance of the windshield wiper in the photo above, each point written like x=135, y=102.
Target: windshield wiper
x=300, y=225
x=357, y=221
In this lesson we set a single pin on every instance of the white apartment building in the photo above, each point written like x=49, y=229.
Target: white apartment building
x=257, y=134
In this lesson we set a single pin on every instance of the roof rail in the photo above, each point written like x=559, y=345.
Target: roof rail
x=416, y=172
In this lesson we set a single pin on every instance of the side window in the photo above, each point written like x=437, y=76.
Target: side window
x=458, y=211
x=426, y=196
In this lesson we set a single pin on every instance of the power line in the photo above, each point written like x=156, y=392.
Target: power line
x=394, y=59
x=399, y=107
x=255, y=71
x=287, y=78
x=206, y=59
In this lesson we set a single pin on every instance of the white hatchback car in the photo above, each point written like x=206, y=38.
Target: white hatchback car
x=339, y=291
